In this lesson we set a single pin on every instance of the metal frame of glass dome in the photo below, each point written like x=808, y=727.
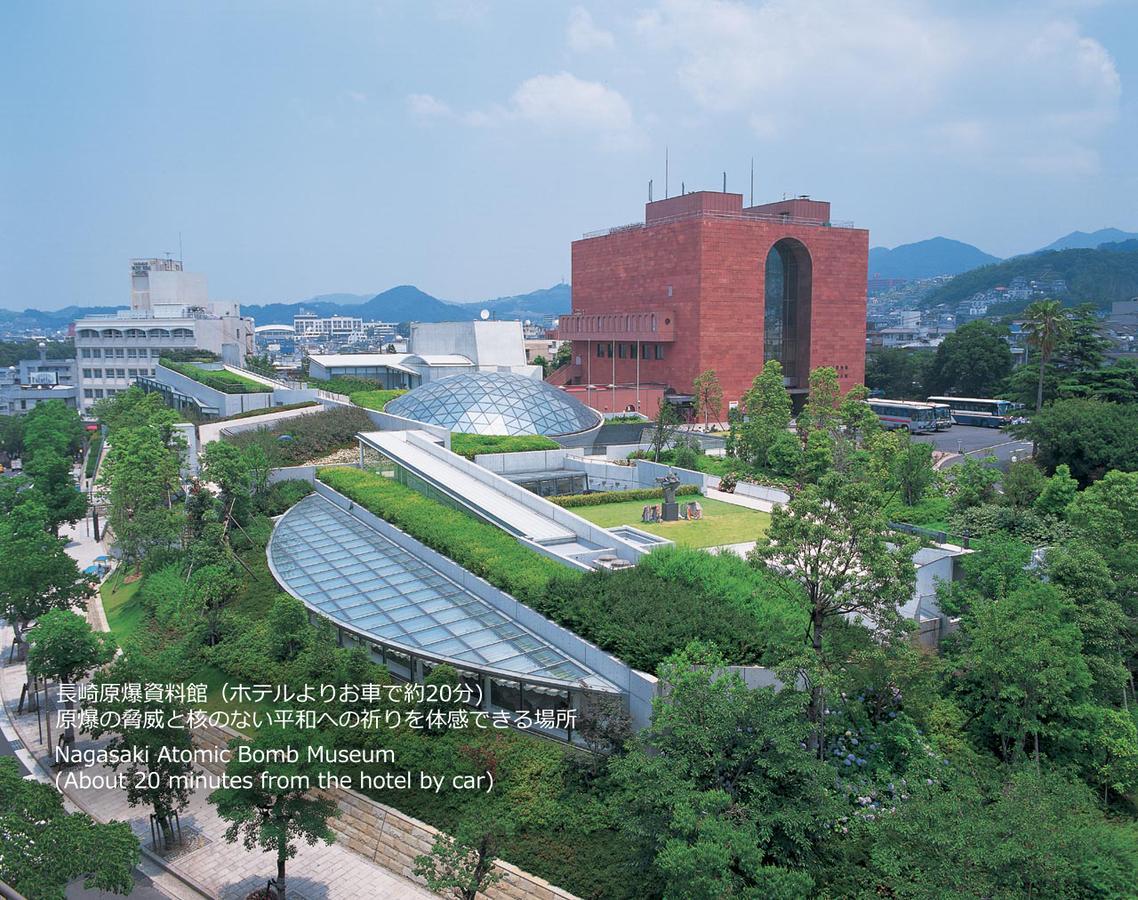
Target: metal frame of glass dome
x=412, y=617
x=496, y=403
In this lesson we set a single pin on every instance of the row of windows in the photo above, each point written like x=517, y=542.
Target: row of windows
x=629, y=351
x=120, y=353
x=116, y=373
x=98, y=393
x=136, y=333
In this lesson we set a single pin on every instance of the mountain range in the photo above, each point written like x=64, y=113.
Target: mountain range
x=924, y=259
x=398, y=304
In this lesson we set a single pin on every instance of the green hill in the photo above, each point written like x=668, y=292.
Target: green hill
x=1099, y=276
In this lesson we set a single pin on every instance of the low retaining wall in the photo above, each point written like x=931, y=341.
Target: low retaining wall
x=393, y=839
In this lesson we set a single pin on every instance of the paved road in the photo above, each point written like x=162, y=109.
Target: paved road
x=977, y=443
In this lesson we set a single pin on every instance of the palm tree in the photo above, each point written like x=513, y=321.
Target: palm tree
x=1046, y=325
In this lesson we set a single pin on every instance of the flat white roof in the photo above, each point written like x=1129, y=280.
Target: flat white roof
x=334, y=360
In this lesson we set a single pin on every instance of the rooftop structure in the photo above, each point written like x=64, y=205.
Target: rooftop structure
x=496, y=403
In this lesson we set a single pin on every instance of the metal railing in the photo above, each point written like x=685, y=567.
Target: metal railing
x=718, y=214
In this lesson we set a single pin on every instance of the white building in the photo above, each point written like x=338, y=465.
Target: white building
x=169, y=310
x=311, y=327
x=437, y=349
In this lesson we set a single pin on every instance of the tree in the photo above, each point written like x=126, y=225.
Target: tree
x=1021, y=669
x=974, y=361
x=45, y=848
x=227, y=466
x=50, y=472
x=540, y=360
x=268, y=804
x=153, y=749
x=1011, y=833
x=785, y=455
x=719, y=790
x=899, y=374
x=767, y=405
x=463, y=865
x=912, y=469
x=833, y=541
x=818, y=457
x=1023, y=484
x=563, y=356
x=1046, y=325
x=1058, y=492
x=1090, y=436
x=140, y=479
x=37, y=574
x=63, y=646
x=708, y=394
x=665, y=427
x=974, y=482
x=821, y=410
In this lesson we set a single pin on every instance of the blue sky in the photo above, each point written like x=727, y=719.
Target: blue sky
x=460, y=145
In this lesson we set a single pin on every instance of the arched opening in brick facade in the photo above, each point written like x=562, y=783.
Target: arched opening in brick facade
x=786, y=310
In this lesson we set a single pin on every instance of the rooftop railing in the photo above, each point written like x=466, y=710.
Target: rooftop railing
x=714, y=214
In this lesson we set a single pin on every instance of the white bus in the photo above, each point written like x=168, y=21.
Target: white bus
x=916, y=418
x=942, y=412
x=976, y=411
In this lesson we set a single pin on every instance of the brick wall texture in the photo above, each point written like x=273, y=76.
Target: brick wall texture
x=713, y=261
x=392, y=839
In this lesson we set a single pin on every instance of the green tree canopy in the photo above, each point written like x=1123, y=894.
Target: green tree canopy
x=973, y=361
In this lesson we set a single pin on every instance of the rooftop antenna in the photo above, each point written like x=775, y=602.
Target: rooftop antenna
x=725, y=182
x=181, y=258
x=752, y=203
x=649, y=190
x=683, y=190
x=665, y=171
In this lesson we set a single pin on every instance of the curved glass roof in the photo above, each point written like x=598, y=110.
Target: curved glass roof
x=495, y=403
x=360, y=579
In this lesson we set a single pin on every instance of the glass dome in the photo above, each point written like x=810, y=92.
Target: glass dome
x=495, y=403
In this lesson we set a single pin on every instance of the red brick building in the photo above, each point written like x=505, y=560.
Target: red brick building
x=706, y=284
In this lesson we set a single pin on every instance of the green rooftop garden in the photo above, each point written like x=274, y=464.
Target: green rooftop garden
x=470, y=445
x=218, y=379
x=722, y=523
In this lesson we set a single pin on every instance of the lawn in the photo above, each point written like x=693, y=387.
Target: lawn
x=722, y=523
x=125, y=614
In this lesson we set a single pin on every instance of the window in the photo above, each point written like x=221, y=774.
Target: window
x=121, y=373
x=98, y=393
x=132, y=373
x=622, y=350
x=85, y=353
x=600, y=351
x=154, y=354
x=86, y=373
x=88, y=393
x=659, y=351
x=96, y=373
x=131, y=353
x=119, y=353
x=96, y=353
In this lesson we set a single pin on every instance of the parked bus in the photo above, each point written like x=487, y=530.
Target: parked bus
x=973, y=411
x=916, y=418
x=942, y=412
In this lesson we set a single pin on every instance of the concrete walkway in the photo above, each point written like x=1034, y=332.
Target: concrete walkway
x=739, y=500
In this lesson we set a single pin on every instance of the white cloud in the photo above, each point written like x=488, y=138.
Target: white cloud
x=424, y=106
x=357, y=96
x=1013, y=87
x=561, y=104
x=583, y=35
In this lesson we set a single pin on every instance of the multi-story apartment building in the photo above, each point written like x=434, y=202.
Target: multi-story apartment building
x=311, y=327
x=169, y=310
x=34, y=381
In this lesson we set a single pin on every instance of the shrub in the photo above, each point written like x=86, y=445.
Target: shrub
x=728, y=483
x=298, y=440
x=483, y=549
x=470, y=445
x=784, y=455
x=282, y=496
x=599, y=498
x=218, y=379
x=374, y=399
x=347, y=384
x=253, y=413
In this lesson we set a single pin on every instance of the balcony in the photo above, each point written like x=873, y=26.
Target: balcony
x=657, y=326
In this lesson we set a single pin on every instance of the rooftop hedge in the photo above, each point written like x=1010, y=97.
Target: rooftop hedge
x=295, y=441
x=479, y=547
x=470, y=445
x=218, y=379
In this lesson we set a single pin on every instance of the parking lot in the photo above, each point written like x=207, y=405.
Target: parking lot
x=973, y=441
